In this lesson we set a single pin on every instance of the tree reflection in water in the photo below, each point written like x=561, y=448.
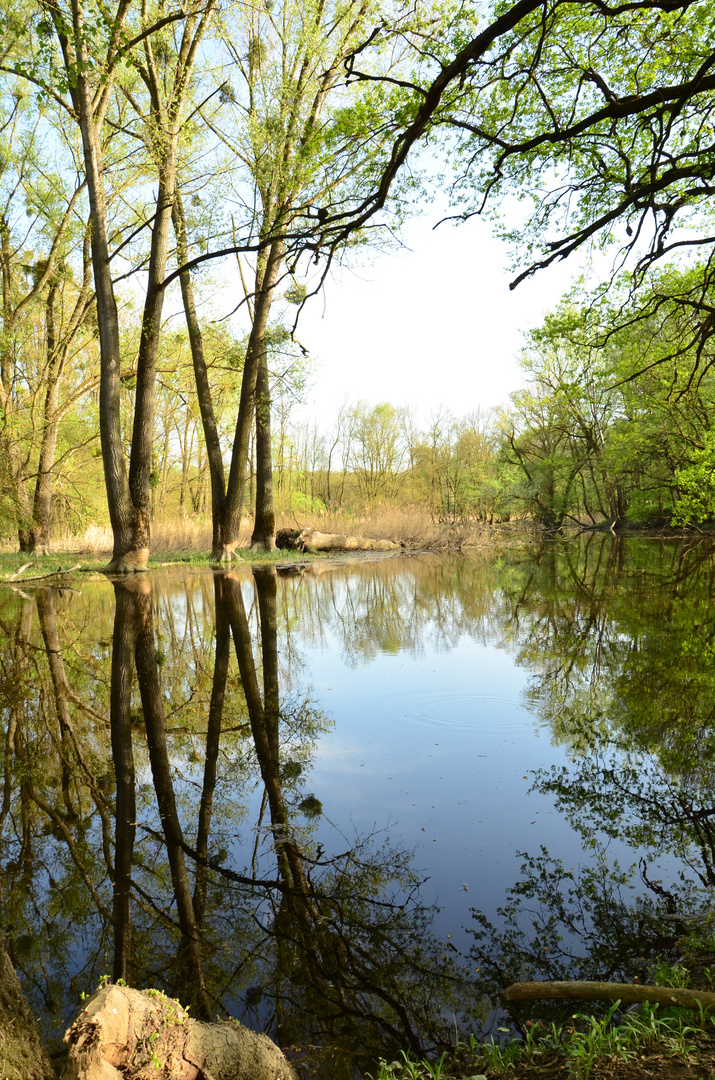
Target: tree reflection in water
x=126, y=868
x=155, y=809
x=622, y=654
x=354, y=962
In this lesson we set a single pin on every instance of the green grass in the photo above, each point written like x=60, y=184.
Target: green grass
x=254, y=558
x=10, y=563
x=574, y=1049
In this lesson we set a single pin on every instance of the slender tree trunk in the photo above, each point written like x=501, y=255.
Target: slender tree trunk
x=264, y=525
x=128, y=551
x=42, y=503
x=145, y=401
x=203, y=388
x=270, y=262
x=129, y=495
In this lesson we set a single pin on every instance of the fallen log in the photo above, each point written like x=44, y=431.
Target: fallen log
x=312, y=540
x=627, y=993
x=126, y=1034
x=15, y=580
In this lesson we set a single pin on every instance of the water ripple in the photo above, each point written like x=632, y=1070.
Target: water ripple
x=484, y=712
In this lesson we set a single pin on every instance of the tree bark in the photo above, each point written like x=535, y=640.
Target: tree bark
x=126, y=554
x=145, y=400
x=264, y=523
x=203, y=388
x=627, y=993
x=21, y=1052
x=269, y=265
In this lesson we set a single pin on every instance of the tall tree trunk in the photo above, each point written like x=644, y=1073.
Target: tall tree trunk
x=128, y=551
x=42, y=503
x=269, y=266
x=203, y=388
x=140, y=460
x=264, y=525
x=129, y=495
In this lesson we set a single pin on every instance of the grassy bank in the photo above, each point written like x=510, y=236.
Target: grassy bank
x=648, y=1042
x=16, y=568
x=654, y=1044
x=413, y=526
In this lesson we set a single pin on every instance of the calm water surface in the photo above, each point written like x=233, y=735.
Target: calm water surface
x=350, y=804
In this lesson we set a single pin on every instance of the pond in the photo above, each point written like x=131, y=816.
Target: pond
x=349, y=803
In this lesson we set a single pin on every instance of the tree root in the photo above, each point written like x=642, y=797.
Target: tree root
x=130, y=562
x=226, y=553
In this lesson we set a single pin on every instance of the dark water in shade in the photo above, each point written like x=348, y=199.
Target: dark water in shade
x=348, y=805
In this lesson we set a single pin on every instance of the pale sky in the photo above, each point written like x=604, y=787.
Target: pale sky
x=433, y=324
x=430, y=324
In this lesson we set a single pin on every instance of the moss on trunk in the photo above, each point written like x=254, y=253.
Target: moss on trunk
x=21, y=1052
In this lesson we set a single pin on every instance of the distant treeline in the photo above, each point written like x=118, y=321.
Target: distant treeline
x=615, y=426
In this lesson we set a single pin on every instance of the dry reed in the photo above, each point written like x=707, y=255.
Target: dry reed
x=413, y=526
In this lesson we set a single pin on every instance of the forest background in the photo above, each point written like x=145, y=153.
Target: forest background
x=176, y=183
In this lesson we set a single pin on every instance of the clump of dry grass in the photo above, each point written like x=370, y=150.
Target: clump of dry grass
x=95, y=540
x=169, y=536
x=181, y=534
